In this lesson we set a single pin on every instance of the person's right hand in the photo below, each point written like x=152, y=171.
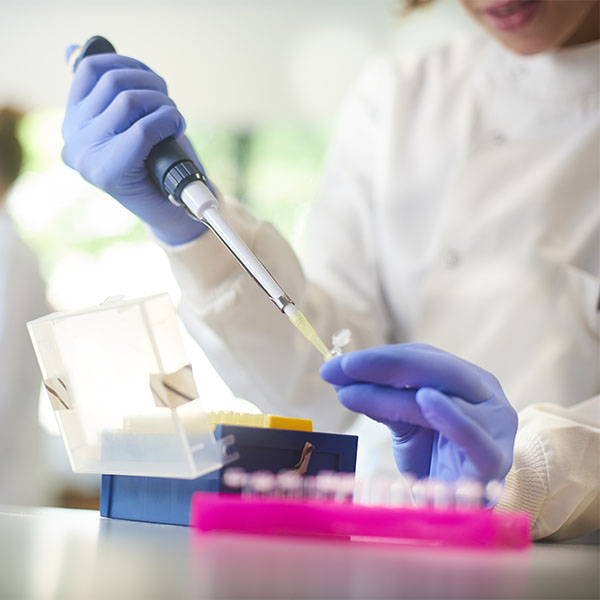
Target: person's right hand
x=118, y=110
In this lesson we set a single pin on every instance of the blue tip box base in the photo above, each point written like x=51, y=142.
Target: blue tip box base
x=165, y=500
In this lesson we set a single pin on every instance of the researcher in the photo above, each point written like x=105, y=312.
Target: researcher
x=22, y=298
x=456, y=234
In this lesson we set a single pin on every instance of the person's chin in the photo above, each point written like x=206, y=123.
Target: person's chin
x=526, y=44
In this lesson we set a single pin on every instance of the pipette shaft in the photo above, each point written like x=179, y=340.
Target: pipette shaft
x=202, y=204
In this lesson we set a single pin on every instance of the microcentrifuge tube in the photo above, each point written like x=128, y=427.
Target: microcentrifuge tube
x=339, y=339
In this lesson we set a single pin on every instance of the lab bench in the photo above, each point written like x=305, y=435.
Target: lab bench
x=62, y=554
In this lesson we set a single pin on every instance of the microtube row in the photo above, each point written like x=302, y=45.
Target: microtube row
x=403, y=490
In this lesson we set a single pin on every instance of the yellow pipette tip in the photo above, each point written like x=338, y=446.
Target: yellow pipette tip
x=300, y=322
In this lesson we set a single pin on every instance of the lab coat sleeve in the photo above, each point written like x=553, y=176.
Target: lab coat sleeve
x=255, y=349
x=555, y=475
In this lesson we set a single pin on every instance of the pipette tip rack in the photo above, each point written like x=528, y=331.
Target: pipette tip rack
x=167, y=500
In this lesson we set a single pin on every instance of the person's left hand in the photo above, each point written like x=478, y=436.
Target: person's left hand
x=449, y=419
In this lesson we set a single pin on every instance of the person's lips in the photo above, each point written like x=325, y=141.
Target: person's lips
x=511, y=15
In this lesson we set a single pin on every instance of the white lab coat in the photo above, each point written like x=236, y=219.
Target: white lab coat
x=459, y=208
x=22, y=298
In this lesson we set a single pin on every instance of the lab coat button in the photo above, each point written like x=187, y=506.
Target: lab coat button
x=498, y=138
x=451, y=259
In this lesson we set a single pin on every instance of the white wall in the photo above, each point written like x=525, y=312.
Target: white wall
x=226, y=61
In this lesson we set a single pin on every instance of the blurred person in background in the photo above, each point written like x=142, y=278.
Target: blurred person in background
x=459, y=209
x=22, y=298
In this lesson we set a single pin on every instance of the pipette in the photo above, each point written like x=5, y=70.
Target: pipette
x=176, y=175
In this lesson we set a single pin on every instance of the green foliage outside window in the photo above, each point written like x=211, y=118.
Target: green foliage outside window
x=274, y=169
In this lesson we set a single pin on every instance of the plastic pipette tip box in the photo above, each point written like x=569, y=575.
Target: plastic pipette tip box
x=168, y=500
x=470, y=527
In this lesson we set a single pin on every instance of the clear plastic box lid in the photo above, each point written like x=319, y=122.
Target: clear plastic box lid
x=123, y=391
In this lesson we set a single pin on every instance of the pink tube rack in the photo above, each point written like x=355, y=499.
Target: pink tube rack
x=476, y=527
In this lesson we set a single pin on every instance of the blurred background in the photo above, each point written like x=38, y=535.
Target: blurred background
x=259, y=83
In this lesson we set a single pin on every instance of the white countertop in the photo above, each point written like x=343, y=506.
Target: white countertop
x=51, y=553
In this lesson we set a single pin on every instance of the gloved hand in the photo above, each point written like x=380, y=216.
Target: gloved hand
x=449, y=419
x=118, y=110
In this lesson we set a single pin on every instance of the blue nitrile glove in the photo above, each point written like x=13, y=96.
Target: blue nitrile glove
x=118, y=110
x=449, y=419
